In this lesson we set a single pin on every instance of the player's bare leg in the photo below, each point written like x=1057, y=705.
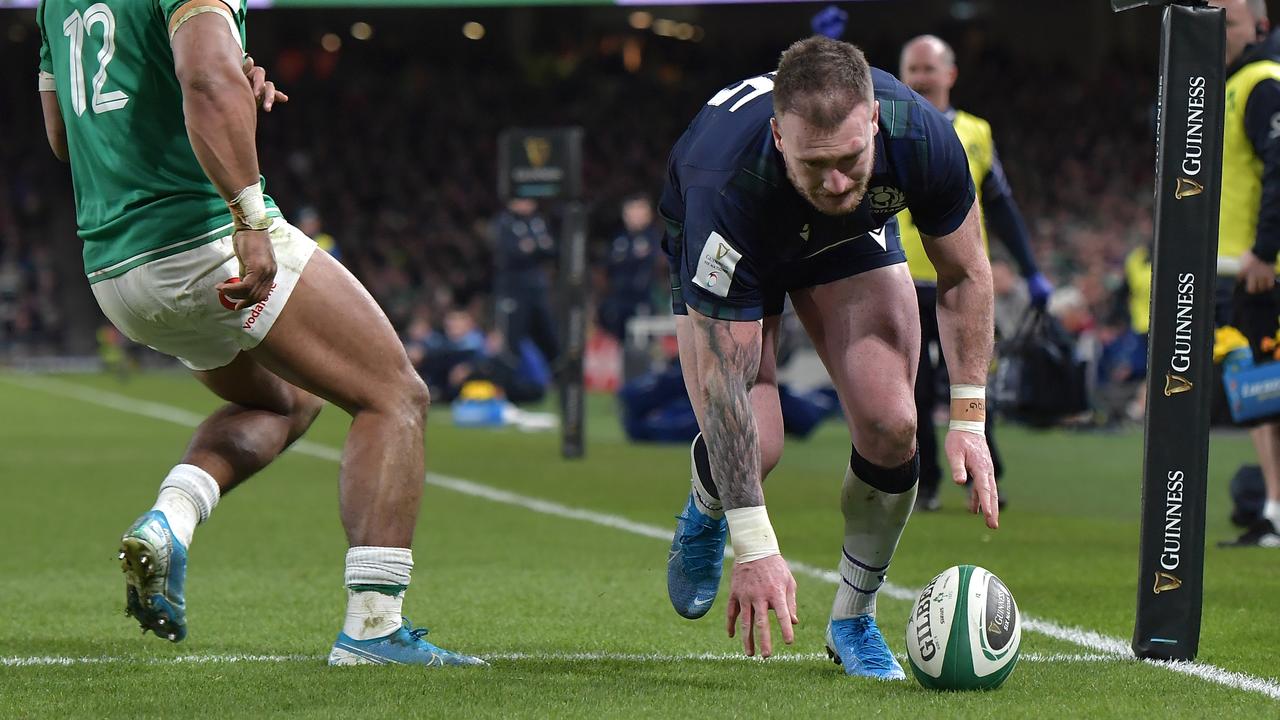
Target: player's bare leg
x=333, y=340
x=264, y=415
x=866, y=330
x=696, y=558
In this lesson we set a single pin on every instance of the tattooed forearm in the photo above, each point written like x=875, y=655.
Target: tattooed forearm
x=729, y=358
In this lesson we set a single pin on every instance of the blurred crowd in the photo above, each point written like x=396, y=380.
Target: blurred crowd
x=35, y=207
x=390, y=156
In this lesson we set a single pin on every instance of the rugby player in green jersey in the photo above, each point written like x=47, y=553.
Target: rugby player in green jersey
x=154, y=104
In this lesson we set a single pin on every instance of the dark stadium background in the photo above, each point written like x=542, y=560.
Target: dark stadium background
x=554, y=569
x=392, y=138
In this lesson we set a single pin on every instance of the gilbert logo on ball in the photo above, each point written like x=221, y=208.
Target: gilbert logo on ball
x=964, y=632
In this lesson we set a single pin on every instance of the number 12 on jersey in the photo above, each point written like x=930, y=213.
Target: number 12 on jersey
x=75, y=27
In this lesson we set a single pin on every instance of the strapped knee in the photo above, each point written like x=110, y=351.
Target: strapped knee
x=894, y=481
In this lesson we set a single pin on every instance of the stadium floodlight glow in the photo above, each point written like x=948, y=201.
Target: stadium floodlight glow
x=1122, y=5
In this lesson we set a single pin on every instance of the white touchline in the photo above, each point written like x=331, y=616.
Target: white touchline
x=57, y=660
x=1089, y=639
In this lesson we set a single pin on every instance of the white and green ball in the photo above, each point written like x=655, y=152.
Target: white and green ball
x=964, y=632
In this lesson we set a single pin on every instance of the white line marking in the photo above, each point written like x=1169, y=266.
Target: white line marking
x=55, y=660
x=785, y=657
x=1091, y=640
x=176, y=660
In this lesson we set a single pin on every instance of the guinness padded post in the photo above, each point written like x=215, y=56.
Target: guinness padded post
x=546, y=164
x=573, y=329
x=1179, y=360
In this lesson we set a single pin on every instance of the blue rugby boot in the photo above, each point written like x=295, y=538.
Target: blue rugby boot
x=695, y=561
x=856, y=643
x=406, y=646
x=155, y=571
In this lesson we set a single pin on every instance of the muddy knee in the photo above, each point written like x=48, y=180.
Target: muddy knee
x=889, y=439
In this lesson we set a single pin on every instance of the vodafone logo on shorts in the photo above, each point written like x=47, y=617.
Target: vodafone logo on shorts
x=257, y=310
x=254, y=313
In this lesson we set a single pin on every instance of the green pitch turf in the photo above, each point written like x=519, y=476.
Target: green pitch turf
x=571, y=612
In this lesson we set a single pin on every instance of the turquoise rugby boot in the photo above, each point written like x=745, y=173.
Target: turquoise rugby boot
x=695, y=561
x=406, y=646
x=856, y=643
x=155, y=571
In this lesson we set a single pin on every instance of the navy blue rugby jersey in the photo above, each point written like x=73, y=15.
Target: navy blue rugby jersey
x=736, y=226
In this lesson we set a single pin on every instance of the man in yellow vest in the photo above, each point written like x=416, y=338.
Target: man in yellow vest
x=1136, y=297
x=928, y=66
x=1249, y=223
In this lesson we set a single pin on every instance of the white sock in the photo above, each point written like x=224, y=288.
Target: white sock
x=374, y=613
x=1271, y=511
x=706, y=503
x=873, y=522
x=187, y=496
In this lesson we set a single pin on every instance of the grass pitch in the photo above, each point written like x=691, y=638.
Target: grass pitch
x=555, y=571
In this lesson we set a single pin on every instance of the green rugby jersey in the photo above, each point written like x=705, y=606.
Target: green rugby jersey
x=141, y=195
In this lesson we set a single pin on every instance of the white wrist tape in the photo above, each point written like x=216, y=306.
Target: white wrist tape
x=969, y=426
x=46, y=82
x=977, y=415
x=751, y=533
x=967, y=392
x=249, y=210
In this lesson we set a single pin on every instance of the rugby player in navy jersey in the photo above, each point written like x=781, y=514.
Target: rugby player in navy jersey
x=787, y=184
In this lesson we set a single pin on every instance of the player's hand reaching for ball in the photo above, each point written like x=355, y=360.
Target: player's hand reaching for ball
x=755, y=588
x=257, y=269
x=970, y=460
x=264, y=91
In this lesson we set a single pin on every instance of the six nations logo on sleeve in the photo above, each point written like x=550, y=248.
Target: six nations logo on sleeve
x=716, y=265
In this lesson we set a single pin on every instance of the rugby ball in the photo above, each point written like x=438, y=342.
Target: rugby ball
x=964, y=632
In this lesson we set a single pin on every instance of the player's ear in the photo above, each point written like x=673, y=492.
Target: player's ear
x=777, y=133
x=875, y=116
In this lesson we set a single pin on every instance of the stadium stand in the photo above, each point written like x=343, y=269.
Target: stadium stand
x=394, y=145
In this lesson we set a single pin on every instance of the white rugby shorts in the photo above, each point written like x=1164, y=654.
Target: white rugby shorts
x=172, y=306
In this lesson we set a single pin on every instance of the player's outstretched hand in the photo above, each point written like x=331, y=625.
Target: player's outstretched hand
x=971, y=460
x=257, y=269
x=757, y=587
x=264, y=91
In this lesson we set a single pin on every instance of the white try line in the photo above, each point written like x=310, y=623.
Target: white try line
x=1113, y=647
x=497, y=658
x=63, y=661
